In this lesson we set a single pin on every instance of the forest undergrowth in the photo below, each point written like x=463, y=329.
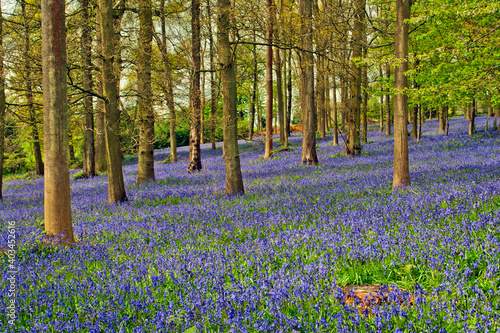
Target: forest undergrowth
x=181, y=256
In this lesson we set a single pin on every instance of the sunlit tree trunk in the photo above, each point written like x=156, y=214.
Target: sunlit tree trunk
x=86, y=47
x=146, y=166
x=116, y=186
x=442, y=119
x=365, y=101
x=309, y=155
x=234, y=179
x=472, y=117
x=269, y=80
x=2, y=102
x=381, y=106
x=320, y=96
x=279, y=92
x=401, y=176
x=335, y=112
x=289, y=95
x=194, y=133
x=57, y=196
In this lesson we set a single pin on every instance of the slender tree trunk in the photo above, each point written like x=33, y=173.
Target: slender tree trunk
x=365, y=101
x=344, y=102
x=401, y=176
x=269, y=80
x=381, y=106
x=86, y=47
x=234, y=179
x=420, y=119
x=100, y=135
x=194, y=133
x=169, y=92
x=2, y=102
x=353, y=146
x=335, y=113
x=116, y=186
x=254, y=91
x=472, y=117
x=285, y=102
x=289, y=95
x=279, y=92
x=57, y=194
x=213, y=83
x=328, y=104
x=414, y=122
x=37, y=150
x=388, y=103
x=309, y=155
x=146, y=164
x=320, y=96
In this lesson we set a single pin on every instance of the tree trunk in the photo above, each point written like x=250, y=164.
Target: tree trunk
x=353, y=142
x=86, y=47
x=57, y=194
x=234, y=179
x=289, y=95
x=442, y=119
x=2, y=102
x=269, y=80
x=401, y=176
x=472, y=117
x=100, y=135
x=213, y=83
x=420, y=120
x=116, y=186
x=146, y=164
x=320, y=96
x=328, y=104
x=388, y=103
x=39, y=167
x=194, y=133
x=414, y=120
x=279, y=92
x=309, y=155
x=169, y=92
x=365, y=101
x=335, y=113
x=381, y=106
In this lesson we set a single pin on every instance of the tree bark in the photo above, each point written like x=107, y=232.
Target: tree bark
x=86, y=47
x=100, y=127
x=381, y=106
x=269, y=80
x=388, y=103
x=365, y=101
x=320, y=96
x=57, y=194
x=472, y=117
x=194, y=133
x=2, y=103
x=289, y=95
x=335, y=113
x=279, y=92
x=146, y=166
x=116, y=186
x=213, y=83
x=401, y=176
x=37, y=150
x=169, y=92
x=234, y=179
x=353, y=142
x=309, y=155
x=442, y=119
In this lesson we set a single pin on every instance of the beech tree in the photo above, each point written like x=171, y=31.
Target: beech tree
x=309, y=155
x=401, y=176
x=269, y=80
x=146, y=165
x=116, y=186
x=57, y=196
x=194, y=133
x=234, y=179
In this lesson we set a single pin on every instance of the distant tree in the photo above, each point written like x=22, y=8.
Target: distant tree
x=116, y=186
x=57, y=196
x=213, y=83
x=146, y=164
x=234, y=179
x=194, y=133
x=401, y=176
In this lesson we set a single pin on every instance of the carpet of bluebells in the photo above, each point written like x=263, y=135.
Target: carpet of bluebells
x=181, y=256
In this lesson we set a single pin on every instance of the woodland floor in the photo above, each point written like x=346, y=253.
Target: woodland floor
x=180, y=255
